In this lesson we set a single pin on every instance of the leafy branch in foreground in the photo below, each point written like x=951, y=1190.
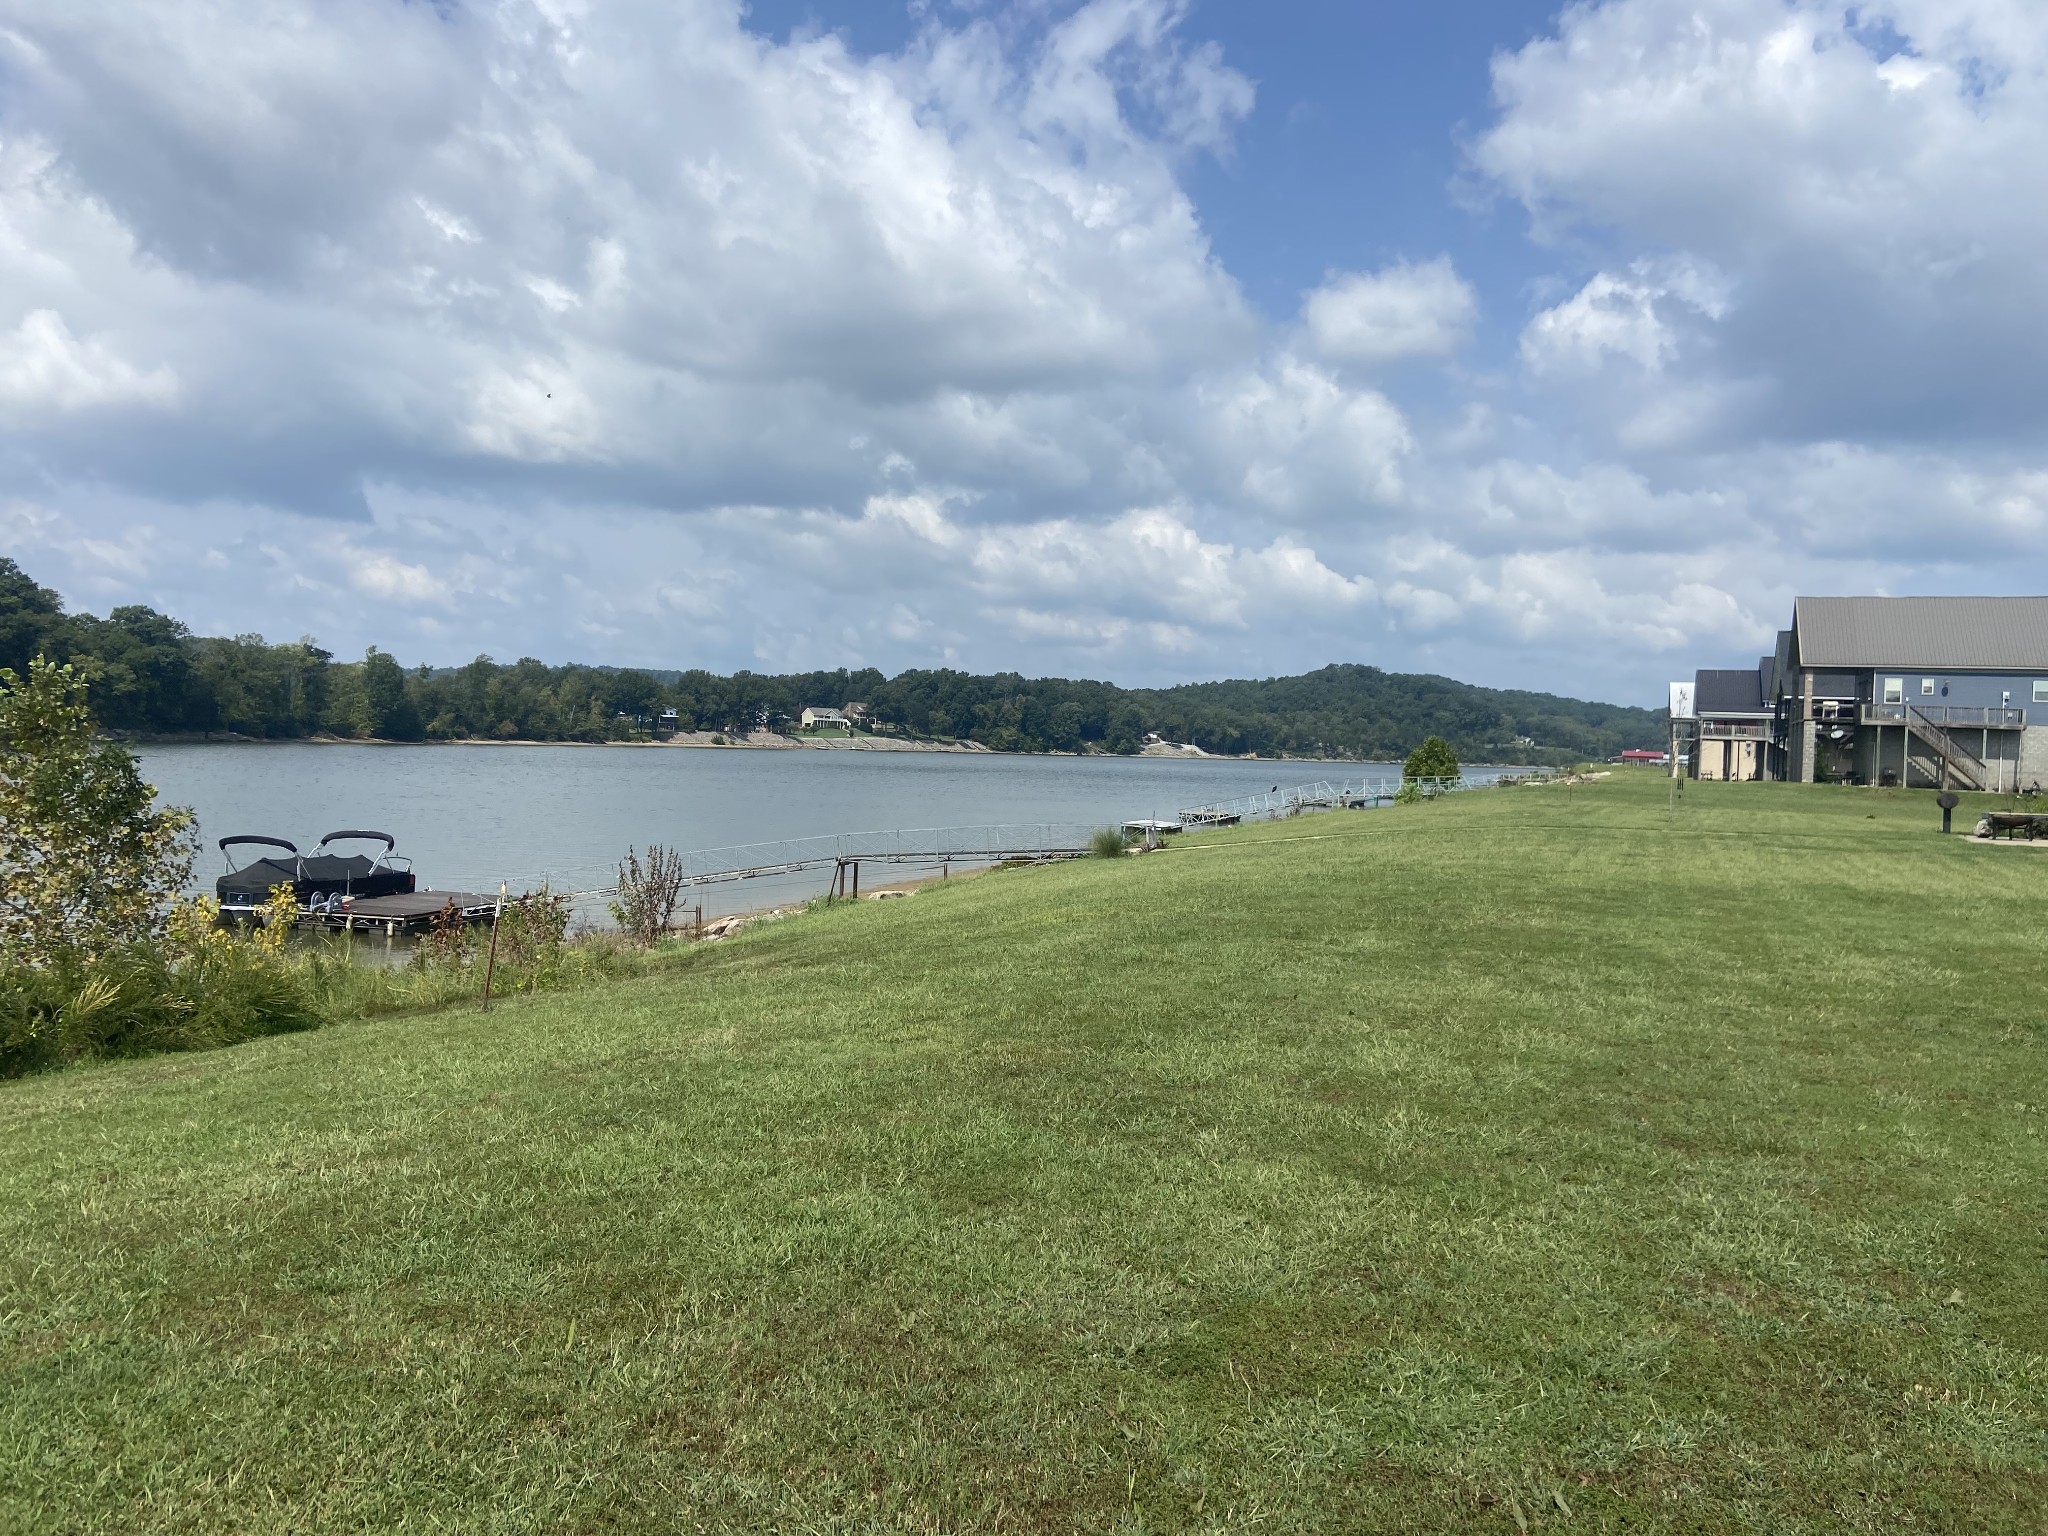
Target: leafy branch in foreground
x=88, y=861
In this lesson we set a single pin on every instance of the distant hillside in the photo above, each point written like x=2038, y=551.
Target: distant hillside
x=1363, y=711
x=153, y=675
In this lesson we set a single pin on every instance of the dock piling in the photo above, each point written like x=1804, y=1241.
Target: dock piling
x=491, y=967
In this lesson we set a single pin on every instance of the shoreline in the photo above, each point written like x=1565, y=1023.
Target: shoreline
x=774, y=744
x=761, y=742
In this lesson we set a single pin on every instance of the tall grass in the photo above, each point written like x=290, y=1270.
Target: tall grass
x=205, y=986
x=146, y=998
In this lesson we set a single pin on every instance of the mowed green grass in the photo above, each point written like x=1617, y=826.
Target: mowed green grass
x=1541, y=1158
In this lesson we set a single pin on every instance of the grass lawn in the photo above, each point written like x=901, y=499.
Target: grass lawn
x=1539, y=1158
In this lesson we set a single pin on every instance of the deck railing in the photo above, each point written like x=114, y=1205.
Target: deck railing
x=1969, y=716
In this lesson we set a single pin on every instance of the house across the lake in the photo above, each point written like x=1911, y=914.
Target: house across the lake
x=814, y=718
x=1948, y=692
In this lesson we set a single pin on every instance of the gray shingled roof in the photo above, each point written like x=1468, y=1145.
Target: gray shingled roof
x=1989, y=634
x=1725, y=691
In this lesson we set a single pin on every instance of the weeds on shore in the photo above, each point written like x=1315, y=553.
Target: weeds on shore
x=205, y=985
x=1109, y=843
x=198, y=986
x=649, y=893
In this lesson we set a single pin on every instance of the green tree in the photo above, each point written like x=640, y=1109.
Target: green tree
x=88, y=861
x=388, y=710
x=31, y=618
x=1434, y=759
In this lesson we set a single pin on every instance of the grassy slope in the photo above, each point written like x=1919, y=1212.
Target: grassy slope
x=1445, y=1167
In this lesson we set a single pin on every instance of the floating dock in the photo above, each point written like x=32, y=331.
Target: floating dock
x=412, y=912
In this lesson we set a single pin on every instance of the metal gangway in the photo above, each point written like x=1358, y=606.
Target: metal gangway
x=786, y=860
x=934, y=846
x=1323, y=795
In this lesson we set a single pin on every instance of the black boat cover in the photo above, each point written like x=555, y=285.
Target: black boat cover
x=330, y=874
x=315, y=878
x=252, y=883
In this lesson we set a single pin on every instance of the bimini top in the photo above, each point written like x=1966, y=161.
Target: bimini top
x=1929, y=634
x=355, y=873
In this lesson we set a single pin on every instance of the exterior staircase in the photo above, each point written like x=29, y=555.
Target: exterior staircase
x=1957, y=762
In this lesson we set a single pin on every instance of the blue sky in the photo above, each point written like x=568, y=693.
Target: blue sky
x=1147, y=339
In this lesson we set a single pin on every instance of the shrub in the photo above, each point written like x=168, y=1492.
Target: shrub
x=649, y=893
x=88, y=863
x=1109, y=843
x=1434, y=759
x=533, y=937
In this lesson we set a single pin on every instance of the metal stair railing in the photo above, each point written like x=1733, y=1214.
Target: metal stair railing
x=1955, y=757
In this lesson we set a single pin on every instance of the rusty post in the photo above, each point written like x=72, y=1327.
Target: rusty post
x=491, y=966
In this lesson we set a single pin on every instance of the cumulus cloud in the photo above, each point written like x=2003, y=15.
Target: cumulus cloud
x=1862, y=177
x=1622, y=317
x=456, y=222
x=1402, y=311
x=44, y=367
x=624, y=333
x=1302, y=444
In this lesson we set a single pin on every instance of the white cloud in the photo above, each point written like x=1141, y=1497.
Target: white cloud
x=1403, y=311
x=1619, y=316
x=1862, y=177
x=1298, y=442
x=44, y=367
x=622, y=333
x=376, y=573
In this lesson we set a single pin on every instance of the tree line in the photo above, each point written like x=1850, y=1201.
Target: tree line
x=151, y=675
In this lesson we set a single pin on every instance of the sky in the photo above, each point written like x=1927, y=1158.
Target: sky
x=1153, y=340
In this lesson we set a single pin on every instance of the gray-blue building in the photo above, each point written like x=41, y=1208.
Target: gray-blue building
x=1920, y=691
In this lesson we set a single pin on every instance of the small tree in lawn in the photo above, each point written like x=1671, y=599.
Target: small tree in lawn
x=1434, y=759
x=88, y=861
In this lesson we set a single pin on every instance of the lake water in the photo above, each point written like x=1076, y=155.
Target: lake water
x=471, y=816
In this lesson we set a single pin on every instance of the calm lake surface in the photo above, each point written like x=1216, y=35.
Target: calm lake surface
x=471, y=816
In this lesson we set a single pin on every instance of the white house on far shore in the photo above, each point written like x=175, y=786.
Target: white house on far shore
x=813, y=718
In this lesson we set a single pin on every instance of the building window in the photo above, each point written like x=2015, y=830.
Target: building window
x=1895, y=690
x=2040, y=691
x=1926, y=687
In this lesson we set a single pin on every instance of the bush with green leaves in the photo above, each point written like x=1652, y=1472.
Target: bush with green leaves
x=89, y=863
x=1434, y=759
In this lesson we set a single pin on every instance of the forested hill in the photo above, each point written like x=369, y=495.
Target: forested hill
x=154, y=676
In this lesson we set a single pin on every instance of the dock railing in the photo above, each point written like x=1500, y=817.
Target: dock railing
x=1323, y=795
x=784, y=861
